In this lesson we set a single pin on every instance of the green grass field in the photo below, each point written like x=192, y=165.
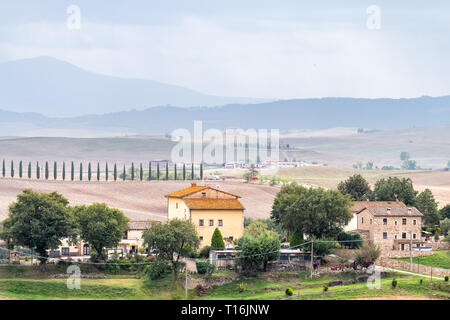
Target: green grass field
x=440, y=259
x=27, y=283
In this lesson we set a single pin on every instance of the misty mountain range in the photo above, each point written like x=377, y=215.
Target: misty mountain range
x=36, y=94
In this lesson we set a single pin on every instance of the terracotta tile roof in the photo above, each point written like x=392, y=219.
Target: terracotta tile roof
x=186, y=191
x=213, y=204
x=139, y=225
x=359, y=205
x=395, y=211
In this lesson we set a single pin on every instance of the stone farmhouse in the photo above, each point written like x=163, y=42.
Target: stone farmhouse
x=392, y=226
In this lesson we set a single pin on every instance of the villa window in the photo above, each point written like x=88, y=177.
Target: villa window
x=86, y=250
x=404, y=221
x=384, y=221
x=220, y=223
x=414, y=236
x=65, y=251
x=211, y=223
x=200, y=222
x=384, y=235
x=362, y=220
x=201, y=238
x=404, y=235
x=414, y=222
x=125, y=235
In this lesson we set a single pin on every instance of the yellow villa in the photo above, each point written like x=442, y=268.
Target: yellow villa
x=208, y=208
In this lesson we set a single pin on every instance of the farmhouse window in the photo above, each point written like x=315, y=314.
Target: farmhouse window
x=385, y=221
x=220, y=223
x=362, y=220
x=384, y=235
x=65, y=251
x=414, y=222
x=404, y=221
x=403, y=235
x=211, y=223
x=86, y=250
x=200, y=223
x=414, y=235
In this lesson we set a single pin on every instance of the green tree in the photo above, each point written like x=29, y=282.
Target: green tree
x=409, y=165
x=393, y=188
x=3, y=168
x=72, y=171
x=98, y=171
x=356, y=186
x=316, y=212
x=89, y=172
x=201, y=171
x=157, y=171
x=192, y=171
x=39, y=221
x=445, y=212
x=115, y=172
x=29, y=170
x=12, y=169
x=167, y=171
x=38, y=171
x=217, y=240
x=132, y=171
x=141, y=172
x=124, y=173
x=100, y=226
x=445, y=226
x=46, y=170
x=321, y=246
x=259, y=227
x=296, y=239
x=184, y=171
x=106, y=171
x=255, y=253
x=368, y=254
x=20, y=169
x=350, y=240
x=149, y=170
x=404, y=156
x=55, y=170
x=172, y=240
x=64, y=171
x=81, y=171
x=426, y=204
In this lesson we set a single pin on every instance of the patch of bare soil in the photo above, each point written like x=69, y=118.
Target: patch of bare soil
x=138, y=200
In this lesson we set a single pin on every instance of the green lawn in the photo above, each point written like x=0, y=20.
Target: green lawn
x=28, y=283
x=440, y=259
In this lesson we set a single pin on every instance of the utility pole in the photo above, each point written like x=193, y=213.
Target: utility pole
x=185, y=285
x=312, y=257
x=410, y=251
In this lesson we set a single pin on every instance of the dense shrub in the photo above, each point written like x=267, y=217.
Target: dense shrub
x=289, y=292
x=204, y=267
x=394, y=283
x=157, y=269
x=204, y=253
x=446, y=278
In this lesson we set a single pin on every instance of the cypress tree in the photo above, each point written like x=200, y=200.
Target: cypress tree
x=55, y=170
x=201, y=171
x=141, y=172
x=124, y=175
x=81, y=171
x=46, y=170
x=192, y=171
x=20, y=169
x=217, y=240
x=98, y=171
x=184, y=171
x=175, y=171
x=106, y=172
x=89, y=171
x=64, y=171
x=12, y=169
x=167, y=171
x=38, y=171
x=72, y=171
x=3, y=168
x=29, y=170
x=149, y=170
x=115, y=172
x=132, y=171
x=157, y=171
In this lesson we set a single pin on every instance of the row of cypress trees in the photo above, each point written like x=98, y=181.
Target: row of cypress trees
x=135, y=174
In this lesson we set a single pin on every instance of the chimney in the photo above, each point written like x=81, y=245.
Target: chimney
x=367, y=200
x=388, y=210
x=409, y=211
x=193, y=184
x=396, y=201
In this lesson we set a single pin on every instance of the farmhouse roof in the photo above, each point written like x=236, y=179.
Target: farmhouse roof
x=395, y=211
x=358, y=206
x=213, y=204
x=139, y=225
x=192, y=189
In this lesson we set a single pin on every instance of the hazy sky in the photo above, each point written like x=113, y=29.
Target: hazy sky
x=255, y=48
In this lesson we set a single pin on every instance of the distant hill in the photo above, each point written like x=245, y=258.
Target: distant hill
x=284, y=115
x=57, y=88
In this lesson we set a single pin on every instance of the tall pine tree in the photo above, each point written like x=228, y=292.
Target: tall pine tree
x=141, y=172
x=72, y=171
x=149, y=170
x=157, y=171
x=201, y=171
x=12, y=169
x=115, y=172
x=124, y=174
x=192, y=171
x=46, y=170
x=175, y=171
x=29, y=170
x=3, y=168
x=106, y=171
x=184, y=171
x=167, y=171
x=81, y=171
x=38, y=171
x=132, y=171
x=20, y=169
x=64, y=171
x=55, y=170
x=98, y=171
